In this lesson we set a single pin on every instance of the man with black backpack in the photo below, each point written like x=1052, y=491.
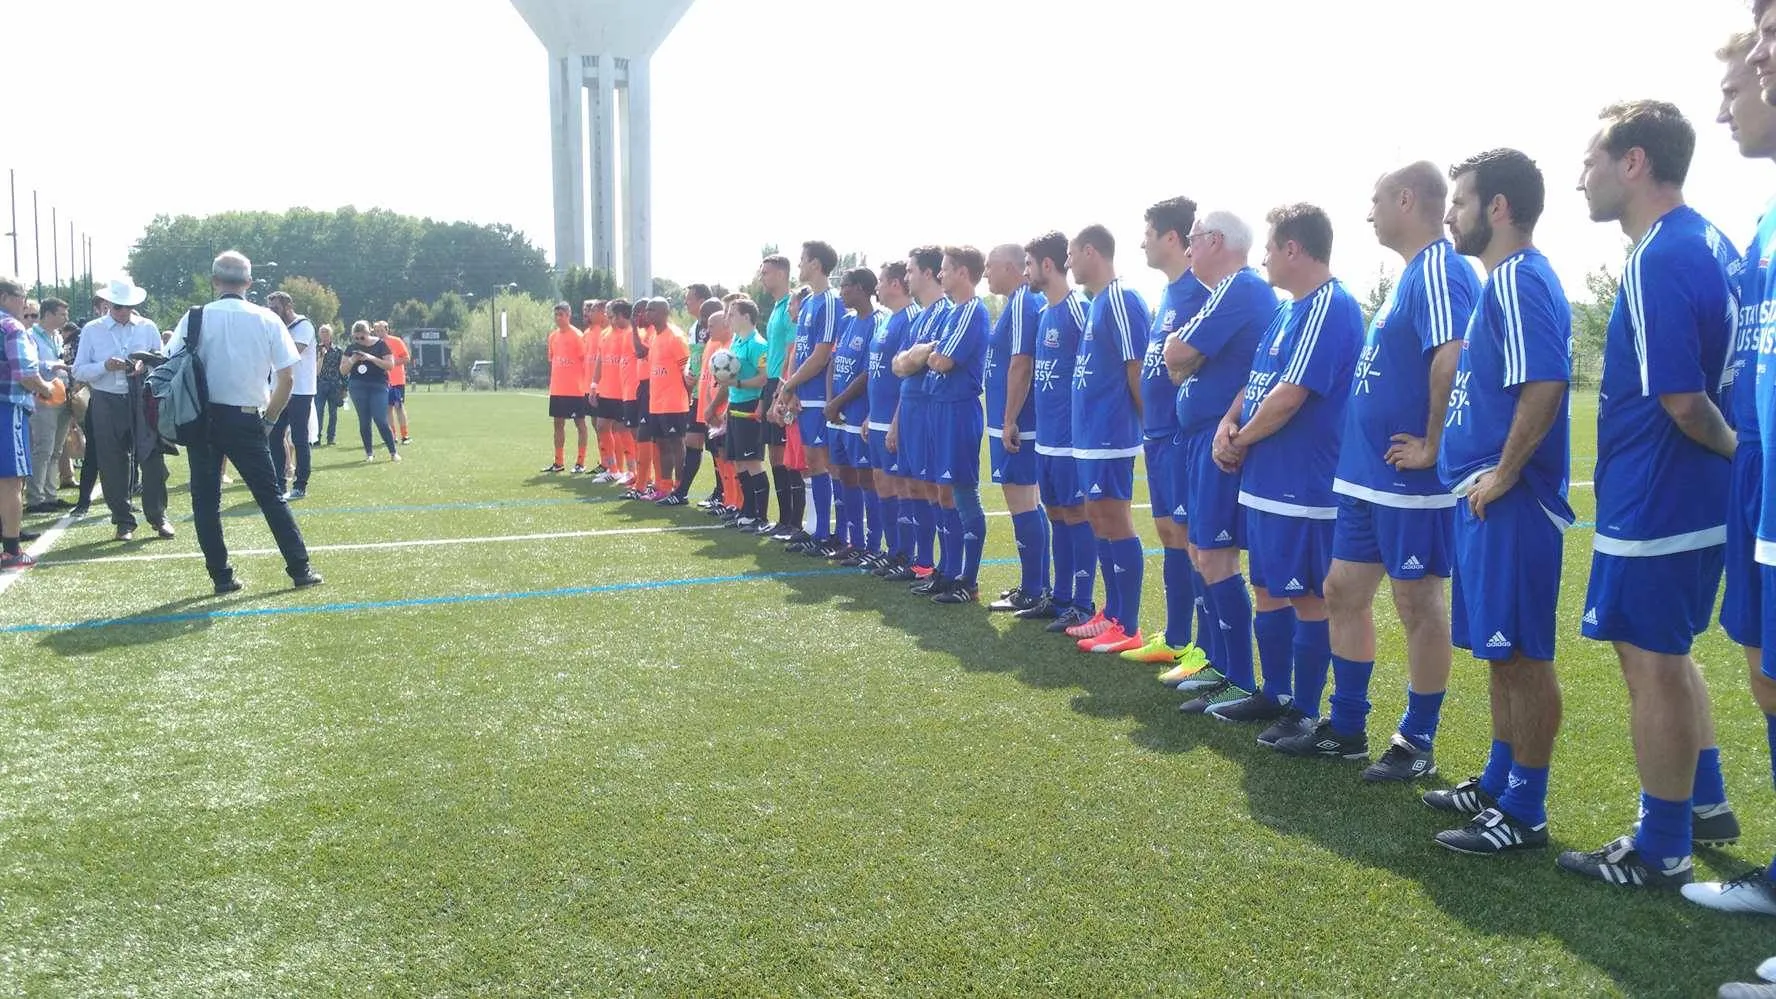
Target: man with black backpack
x=235, y=346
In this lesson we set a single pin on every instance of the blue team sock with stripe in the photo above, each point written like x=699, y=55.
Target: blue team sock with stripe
x=1230, y=611
x=1313, y=657
x=1526, y=796
x=924, y=517
x=971, y=528
x=1062, y=594
x=1663, y=838
x=1423, y=712
x=1085, y=565
x=949, y=543
x=1497, y=775
x=887, y=523
x=1275, y=634
x=1107, y=569
x=1208, y=627
x=1030, y=531
x=1130, y=568
x=1710, y=788
x=872, y=509
x=1045, y=545
x=1180, y=590
x=1350, y=695
x=856, y=509
x=821, y=486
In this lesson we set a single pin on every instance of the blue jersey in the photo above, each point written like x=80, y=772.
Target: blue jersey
x=1390, y=391
x=1105, y=421
x=1179, y=304
x=1520, y=332
x=962, y=339
x=850, y=361
x=1013, y=335
x=1057, y=353
x=925, y=329
x=1659, y=492
x=889, y=339
x=1313, y=343
x=1226, y=332
x=817, y=324
x=1739, y=381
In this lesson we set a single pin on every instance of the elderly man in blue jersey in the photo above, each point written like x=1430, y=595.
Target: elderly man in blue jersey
x=1167, y=246
x=1107, y=435
x=803, y=393
x=888, y=340
x=1664, y=453
x=1211, y=360
x=1282, y=434
x=1062, y=323
x=1505, y=452
x=847, y=416
x=1394, y=515
x=1011, y=410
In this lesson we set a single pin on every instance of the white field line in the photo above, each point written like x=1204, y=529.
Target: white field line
x=42, y=545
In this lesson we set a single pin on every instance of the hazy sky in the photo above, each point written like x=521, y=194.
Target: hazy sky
x=873, y=126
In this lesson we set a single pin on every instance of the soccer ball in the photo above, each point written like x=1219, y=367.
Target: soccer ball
x=724, y=367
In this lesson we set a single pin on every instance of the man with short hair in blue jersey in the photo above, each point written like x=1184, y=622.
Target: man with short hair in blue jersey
x=952, y=366
x=1283, y=435
x=786, y=482
x=1011, y=409
x=847, y=413
x=1167, y=246
x=1394, y=515
x=1506, y=453
x=804, y=391
x=1064, y=315
x=888, y=340
x=1211, y=359
x=1664, y=452
x=1753, y=124
x=1107, y=435
x=910, y=436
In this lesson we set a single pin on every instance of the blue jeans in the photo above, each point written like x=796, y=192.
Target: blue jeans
x=293, y=420
x=330, y=399
x=371, y=400
x=239, y=437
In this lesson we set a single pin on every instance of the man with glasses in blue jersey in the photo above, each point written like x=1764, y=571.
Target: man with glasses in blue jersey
x=1058, y=330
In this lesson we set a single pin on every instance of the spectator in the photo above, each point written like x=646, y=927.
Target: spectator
x=367, y=370
x=103, y=363
x=329, y=385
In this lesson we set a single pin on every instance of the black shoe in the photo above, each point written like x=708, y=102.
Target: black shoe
x=900, y=574
x=1465, y=798
x=1211, y=695
x=1291, y=724
x=784, y=533
x=1324, y=740
x=228, y=584
x=1066, y=619
x=42, y=508
x=823, y=548
x=957, y=593
x=308, y=578
x=765, y=529
x=556, y=467
x=1715, y=826
x=26, y=537
x=80, y=510
x=1402, y=762
x=1619, y=863
x=406, y=441
x=1493, y=832
x=1253, y=708
x=1016, y=600
x=929, y=586
x=1043, y=609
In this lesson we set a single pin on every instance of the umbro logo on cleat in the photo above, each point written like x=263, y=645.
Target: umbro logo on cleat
x=1412, y=564
x=1498, y=641
x=1224, y=536
x=1591, y=616
x=1179, y=512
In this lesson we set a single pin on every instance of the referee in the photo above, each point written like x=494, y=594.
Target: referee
x=244, y=349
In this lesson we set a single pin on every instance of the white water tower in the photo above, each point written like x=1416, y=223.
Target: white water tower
x=599, y=110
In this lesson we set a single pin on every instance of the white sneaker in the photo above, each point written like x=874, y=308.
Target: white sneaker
x=1767, y=970
x=395, y=457
x=369, y=458
x=1750, y=893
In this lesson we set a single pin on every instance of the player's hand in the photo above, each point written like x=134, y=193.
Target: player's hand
x=1409, y=452
x=1230, y=459
x=832, y=412
x=1487, y=489
x=892, y=441
x=1012, y=444
x=116, y=363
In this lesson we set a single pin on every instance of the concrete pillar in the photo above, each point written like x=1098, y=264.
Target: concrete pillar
x=638, y=182
x=604, y=162
x=566, y=97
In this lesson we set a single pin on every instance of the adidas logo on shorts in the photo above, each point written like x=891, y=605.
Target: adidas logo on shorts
x=943, y=476
x=1498, y=641
x=1096, y=489
x=1179, y=512
x=1224, y=536
x=1412, y=564
x=1294, y=584
x=1591, y=616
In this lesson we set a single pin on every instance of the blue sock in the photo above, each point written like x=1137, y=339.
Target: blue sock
x=1313, y=657
x=821, y=487
x=891, y=525
x=1770, y=733
x=1526, y=796
x=971, y=529
x=1497, y=774
x=859, y=508
x=1275, y=634
x=924, y=517
x=1350, y=695
x=1107, y=569
x=1208, y=629
x=1085, y=565
x=1711, y=787
x=950, y=543
x=1027, y=529
x=1180, y=587
x=1130, y=563
x=1664, y=834
x=1062, y=594
x=1045, y=545
x=1230, y=604
x=878, y=528
x=841, y=516
x=1419, y=724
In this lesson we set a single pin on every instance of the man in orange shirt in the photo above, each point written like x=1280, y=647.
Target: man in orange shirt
x=567, y=385
x=397, y=379
x=637, y=386
x=608, y=383
x=592, y=324
x=669, y=399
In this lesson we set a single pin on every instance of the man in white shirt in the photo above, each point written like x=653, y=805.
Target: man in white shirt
x=296, y=415
x=249, y=363
x=102, y=362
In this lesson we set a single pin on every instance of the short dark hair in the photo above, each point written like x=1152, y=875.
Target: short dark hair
x=279, y=296
x=734, y=296
x=1658, y=129
x=1173, y=215
x=709, y=308
x=861, y=277
x=748, y=308
x=1050, y=246
x=564, y=307
x=822, y=254
x=1098, y=238
x=51, y=304
x=592, y=303
x=926, y=258
x=969, y=259
x=894, y=270
x=699, y=290
x=1307, y=225
x=777, y=261
x=619, y=308
x=800, y=294
x=1512, y=174
x=71, y=328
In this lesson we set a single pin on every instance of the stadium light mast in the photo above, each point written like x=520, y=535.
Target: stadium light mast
x=600, y=121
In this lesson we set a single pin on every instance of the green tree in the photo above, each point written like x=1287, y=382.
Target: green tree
x=670, y=290
x=581, y=283
x=409, y=315
x=312, y=299
x=524, y=359
x=1378, y=295
x=448, y=312
x=1590, y=317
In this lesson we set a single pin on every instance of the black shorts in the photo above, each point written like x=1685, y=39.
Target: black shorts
x=664, y=425
x=746, y=435
x=774, y=434
x=698, y=429
x=569, y=407
x=610, y=409
x=631, y=414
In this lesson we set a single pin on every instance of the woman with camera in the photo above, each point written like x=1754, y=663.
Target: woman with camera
x=366, y=367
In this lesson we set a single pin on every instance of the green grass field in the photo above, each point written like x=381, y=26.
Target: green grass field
x=658, y=759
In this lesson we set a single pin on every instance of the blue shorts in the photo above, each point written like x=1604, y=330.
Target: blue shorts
x=1011, y=469
x=1057, y=477
x=1168, y=479
x=915, y=441
x=1506, y=586
x=812, y=423
x=1767, y=616
x=879, y=455
x=1659, y=603
x=837, y=451
x=956, y=429
x=1106, y=478
x=1288, y=556
x=397, y=395
x=1409, y=542
x=855, y=446
x=15, y=441
x=1742, y=607
x=1216, y=518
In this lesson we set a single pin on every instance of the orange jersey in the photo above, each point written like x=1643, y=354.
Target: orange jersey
x=634, y=369
x=398, y=353
x=567, y=362
x=667, y=355
x=594, y=350
x=610, y=381
x=706, y=384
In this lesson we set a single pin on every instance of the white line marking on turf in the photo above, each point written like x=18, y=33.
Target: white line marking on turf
x=42, y=545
